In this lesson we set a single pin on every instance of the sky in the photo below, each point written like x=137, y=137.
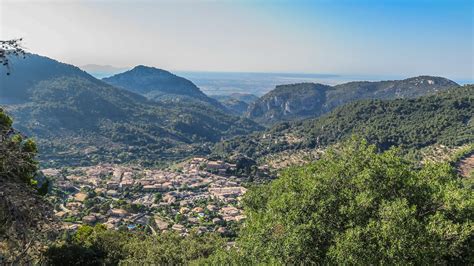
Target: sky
x=373, y=37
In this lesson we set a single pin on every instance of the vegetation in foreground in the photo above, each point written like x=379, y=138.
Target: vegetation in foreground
x=354, y=205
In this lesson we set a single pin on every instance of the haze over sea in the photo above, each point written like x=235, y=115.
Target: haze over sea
x=259, y=83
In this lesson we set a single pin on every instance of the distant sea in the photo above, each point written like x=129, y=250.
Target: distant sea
x=222, y=83
x=219, y=83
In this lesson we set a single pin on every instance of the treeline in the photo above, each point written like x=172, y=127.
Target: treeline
x=445, y=118
x=99, y=246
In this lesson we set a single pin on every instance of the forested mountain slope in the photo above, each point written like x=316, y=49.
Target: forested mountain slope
x=160, y=85
x=309, y=100
x=444, y=118
x=78, y=119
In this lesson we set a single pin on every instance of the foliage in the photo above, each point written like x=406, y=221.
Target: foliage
x=357, y=206
x=98, y=246
x=17, y=154
x=25, y=218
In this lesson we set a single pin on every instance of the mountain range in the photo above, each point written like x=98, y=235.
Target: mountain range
x=151, y=116
x=309, y=100
x=78, y=119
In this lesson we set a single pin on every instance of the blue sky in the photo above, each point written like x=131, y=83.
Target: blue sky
x=399, y=38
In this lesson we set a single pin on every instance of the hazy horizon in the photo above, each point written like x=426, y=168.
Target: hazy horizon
x=393, y=38
x=257, y=83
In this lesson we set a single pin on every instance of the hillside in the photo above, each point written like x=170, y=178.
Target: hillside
x=289, y=102
x=444, y=118
x=236, y=102
x=160, y=85
x=308, y=100
x=77, y=119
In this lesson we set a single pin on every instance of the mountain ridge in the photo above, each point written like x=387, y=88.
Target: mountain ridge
x=309, y=100
x=78, y=119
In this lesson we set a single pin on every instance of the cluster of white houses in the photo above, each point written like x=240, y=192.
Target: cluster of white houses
x=179, y=190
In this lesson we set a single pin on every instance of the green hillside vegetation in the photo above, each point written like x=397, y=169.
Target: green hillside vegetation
x=309, y=100
x=357, y=206
x=445, y=118
x=77, y=119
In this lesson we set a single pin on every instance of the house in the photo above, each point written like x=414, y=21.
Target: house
x=198, y=210
x=169, y=199
x=211, y=208
x=89, y=219
x=179, y=228
x=216, y=165
x=184, y=210
x=60, y=214
x=118, y=212
x=226, y=192
x=112, y=193
x=217, y=221
x=152, y=188
x=113, y=185
x=81, y=196
x=161, y=224
x=126, y=184
x=73, y=205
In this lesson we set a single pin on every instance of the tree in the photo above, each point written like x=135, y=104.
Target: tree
x=17, y=153
x=99, y=246
x=357, y=206
x=22, y=231
x=10, y=48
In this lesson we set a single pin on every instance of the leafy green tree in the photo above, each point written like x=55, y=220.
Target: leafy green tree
x=98, y=246
x=358, y=206
x=24, y=216
x=17, y=154
x=171, y=249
